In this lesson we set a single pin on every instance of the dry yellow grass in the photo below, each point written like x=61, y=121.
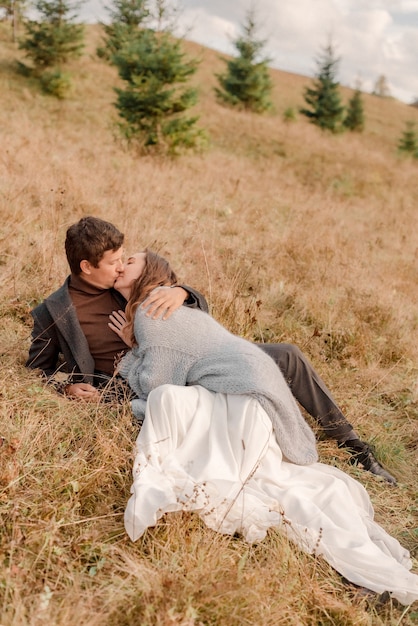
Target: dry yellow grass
x=293, y=235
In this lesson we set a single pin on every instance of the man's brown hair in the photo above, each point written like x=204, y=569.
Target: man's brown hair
x=88, y=240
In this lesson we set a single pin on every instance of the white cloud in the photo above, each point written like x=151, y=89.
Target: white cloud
x=209, y=29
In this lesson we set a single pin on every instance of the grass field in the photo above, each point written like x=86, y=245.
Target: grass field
x=294, y=236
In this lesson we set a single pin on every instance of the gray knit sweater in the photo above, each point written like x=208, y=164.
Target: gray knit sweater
x=191, y=348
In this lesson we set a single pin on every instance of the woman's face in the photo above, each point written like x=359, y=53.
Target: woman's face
x=132, y=270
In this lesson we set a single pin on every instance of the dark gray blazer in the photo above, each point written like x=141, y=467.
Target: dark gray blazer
x=59, y=344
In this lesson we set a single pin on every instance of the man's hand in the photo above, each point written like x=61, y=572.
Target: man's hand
x=118, y=325
x=82, y=391
x=163, y=301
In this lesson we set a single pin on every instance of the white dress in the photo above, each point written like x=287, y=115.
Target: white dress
x=215, y=454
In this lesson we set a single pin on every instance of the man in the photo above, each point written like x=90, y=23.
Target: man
x=71, y=333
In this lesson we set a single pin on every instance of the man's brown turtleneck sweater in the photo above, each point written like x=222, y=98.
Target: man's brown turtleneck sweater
x=93, y=306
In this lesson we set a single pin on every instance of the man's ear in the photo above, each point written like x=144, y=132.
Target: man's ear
x=85, y=267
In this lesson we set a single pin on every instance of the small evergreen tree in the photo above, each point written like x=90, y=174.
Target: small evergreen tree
x=55, y=38
x=381, y=87
x=154, y=101
x=247, y=83
x=289, y=115
x=354, y=119
x=51, y=42
x=408, y=142
x=13, y=10
x=324, y=100
x=127, y=17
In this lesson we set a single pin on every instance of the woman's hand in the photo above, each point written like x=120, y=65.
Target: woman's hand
x=163, y=301
x=118, y=325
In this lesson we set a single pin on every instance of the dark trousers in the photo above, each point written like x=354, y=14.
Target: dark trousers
x=309, y=389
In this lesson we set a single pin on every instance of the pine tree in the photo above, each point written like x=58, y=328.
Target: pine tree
x=408, y=142
x=354, y=119
x=324, y=100
x=55, y=39
x=247, y=83
x=381, y=87
x=50, y=43
x=154, y=102
x=13, y=10
x=127, y=17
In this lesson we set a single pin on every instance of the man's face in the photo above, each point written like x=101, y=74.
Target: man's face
x=107, y=272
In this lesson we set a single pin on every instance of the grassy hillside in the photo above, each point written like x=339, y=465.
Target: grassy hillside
x=294, y=236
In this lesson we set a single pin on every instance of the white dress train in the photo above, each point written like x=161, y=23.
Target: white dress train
x=215, y=454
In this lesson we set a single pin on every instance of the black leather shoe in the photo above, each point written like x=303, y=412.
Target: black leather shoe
x=371, y=598
x=361, y=454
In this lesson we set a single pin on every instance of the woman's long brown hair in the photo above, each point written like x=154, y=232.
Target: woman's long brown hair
x=157, y=273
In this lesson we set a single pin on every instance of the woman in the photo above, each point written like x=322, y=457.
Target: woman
x=210, y=447
x=191, y=348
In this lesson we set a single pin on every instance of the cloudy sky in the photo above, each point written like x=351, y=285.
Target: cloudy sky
x=371, y=37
